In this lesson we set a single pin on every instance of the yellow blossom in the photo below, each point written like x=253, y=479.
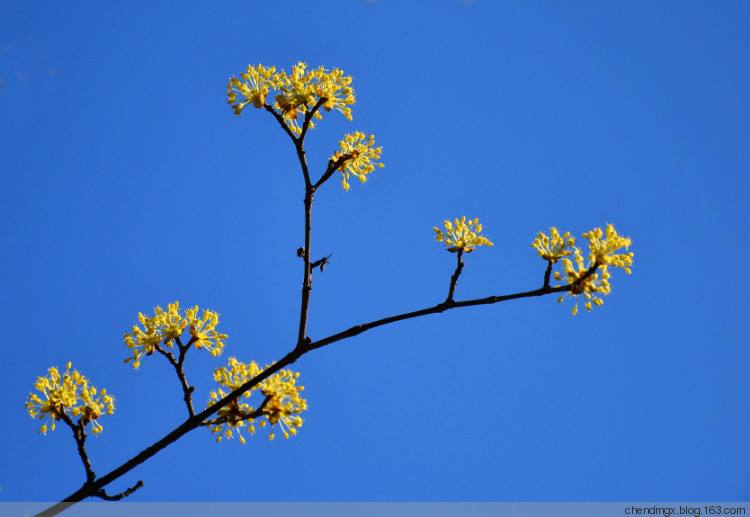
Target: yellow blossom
x=296, y=92
x=253, y=87
x=555, y=246
x=358, y=157
x=143, y=341
x=68, y=396
x=603, y=250
x=203, y=330
x=172, y=322
x=462, y=234
x=164, y=327
x=592, y=280
x=281, y=404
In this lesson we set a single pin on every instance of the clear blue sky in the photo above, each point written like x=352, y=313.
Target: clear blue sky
x=128, y=182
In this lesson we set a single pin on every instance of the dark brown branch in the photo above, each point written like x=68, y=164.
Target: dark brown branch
x=436, y=309
x=548, y=272
x=79, y=434
x=445, y=306
x=321, y=262
x=307, y=273
x=456, y=274
x=102, y=494
x=333, y=165
x=177, y=364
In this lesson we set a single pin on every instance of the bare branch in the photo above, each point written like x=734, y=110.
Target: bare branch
x=102, y=494
x=442, y=307
x=307, y=271
x=79, y=434
x=456, y=274
x=177, y=364
x=321, y=263
x=333, y=165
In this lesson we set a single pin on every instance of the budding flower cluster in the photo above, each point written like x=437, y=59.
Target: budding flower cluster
x=461, y=234
x=297, y=92
x=165, y=327
x=587, y=279
x=281, y=405
x=68, y=396
x=358, y=157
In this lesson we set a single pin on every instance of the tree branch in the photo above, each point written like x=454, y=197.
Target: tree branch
x=307, y=272
x=177, y=364
x=79, y=434
x=102, y=494
x=321, y=262
x=333, y=165
x=548, y=272
x=456, y=274
x=90, y=489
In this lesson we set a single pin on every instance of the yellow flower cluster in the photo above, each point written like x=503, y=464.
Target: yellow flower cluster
x=253, y=87
x=590, y=280
x=603, y=250
x=282, y=403
x=461, y=234
x=587, y=283
x=297, y=92
x=68, y=394
x=359, y=157
x=554, y=246
x=166, y=326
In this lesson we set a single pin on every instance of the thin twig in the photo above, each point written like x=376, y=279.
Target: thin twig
x=547, y=273
x=79, y=434
x=102, y=494
x=321, y=262
x=332, y=166
x=177, y=364
x=456, y=274
x=307, y=269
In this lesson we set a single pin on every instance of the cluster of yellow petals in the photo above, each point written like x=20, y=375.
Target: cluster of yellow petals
x=359, y=157
x=603, y=246
x=296, y=92
x=68, y=394
x=282, y=402
x=589, y=279
x=252, y=86
x=166, y=326
x=591, y=285
x=554, y=246
x=461, y=234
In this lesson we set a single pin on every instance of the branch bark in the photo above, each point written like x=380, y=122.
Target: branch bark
x=177, y=364
x=456, y=274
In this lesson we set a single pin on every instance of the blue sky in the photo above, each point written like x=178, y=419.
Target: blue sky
x=127, y=183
